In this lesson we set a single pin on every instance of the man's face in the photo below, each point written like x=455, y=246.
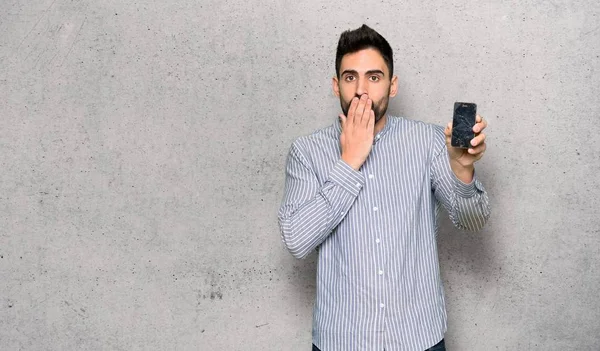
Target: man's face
x=365, y=72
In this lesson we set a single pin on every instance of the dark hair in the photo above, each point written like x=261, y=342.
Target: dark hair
x=362, y=38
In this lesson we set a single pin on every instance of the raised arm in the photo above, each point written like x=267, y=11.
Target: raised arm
x=310, y=210
x=454, y=181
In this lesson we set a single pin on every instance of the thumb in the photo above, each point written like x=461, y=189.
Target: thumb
x=448, y=133
x=448, y=130
x=342, y=120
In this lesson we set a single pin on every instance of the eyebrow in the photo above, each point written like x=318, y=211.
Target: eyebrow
x=372, y=71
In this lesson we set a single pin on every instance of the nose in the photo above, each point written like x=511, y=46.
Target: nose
x=361, y=87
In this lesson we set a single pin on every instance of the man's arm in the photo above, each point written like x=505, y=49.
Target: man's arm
x=310, y=211
x=454, y=181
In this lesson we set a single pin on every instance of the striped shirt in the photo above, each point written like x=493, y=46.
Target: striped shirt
x=378, y=278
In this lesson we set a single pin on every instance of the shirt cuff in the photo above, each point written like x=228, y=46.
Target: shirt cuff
x=346, y=177
x=467, y=190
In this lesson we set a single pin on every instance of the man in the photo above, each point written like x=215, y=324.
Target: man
x=366, y=192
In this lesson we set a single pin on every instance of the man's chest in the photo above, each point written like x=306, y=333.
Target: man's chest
x=393, y=166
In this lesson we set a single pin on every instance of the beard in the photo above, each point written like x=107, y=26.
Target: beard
x=379, y=107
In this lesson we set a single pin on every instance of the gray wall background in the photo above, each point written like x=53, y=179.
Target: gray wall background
x=142, y=147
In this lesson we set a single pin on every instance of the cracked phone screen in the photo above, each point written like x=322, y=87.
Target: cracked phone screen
x=462, y=124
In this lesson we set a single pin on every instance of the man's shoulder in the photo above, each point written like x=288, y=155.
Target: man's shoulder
x=404, y=122
x=321, y=137
x=406, y=125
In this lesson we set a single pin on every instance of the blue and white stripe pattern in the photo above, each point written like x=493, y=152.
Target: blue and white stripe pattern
x=378, y=279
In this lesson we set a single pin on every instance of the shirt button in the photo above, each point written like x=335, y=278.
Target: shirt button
x=358, y=185
x=375, y=208
x=377, y=240
x=380, y=272
x=370, y=176
x=381, y=305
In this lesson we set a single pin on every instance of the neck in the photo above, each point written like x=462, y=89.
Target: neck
x=380, y=124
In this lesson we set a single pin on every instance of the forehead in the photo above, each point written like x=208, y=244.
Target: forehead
x=364, y=60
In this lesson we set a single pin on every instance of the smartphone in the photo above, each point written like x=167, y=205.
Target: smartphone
x=462, y=124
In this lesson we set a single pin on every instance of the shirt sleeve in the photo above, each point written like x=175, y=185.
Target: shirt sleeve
x=467, y=204
x=310, y=211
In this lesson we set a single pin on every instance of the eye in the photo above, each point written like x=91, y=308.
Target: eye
x=374, y=78
x=349, y=78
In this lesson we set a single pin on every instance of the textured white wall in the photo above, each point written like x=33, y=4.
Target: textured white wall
x=142, y=147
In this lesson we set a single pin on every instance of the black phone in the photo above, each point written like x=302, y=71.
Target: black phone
x=462, y=124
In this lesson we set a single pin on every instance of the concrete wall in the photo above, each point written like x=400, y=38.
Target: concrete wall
x=142, y=147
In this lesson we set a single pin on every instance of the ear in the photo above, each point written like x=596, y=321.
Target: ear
x=394, y=86
x=335, y=86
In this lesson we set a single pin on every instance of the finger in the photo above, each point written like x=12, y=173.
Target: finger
x=478, y=139
x=477, y=150
x=352, y=110
x=477, y=157
x=480, y=125
x=343, y=120
x=367, y=113
x=360, y=109
x=371, y=122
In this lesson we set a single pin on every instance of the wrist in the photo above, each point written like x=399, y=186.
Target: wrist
x=462, y=172
x=352, y=162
